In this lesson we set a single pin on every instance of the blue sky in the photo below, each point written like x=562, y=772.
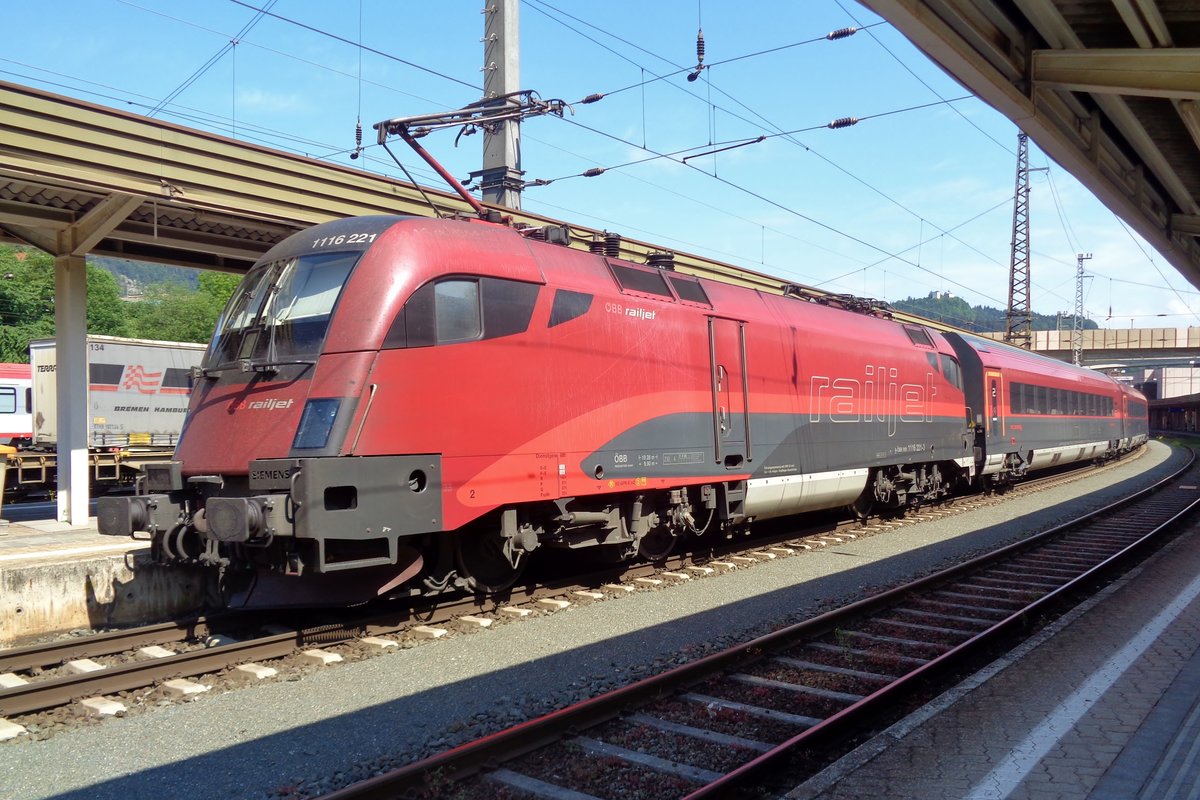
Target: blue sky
x=915, y=198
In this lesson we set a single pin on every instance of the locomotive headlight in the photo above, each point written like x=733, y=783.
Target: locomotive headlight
x=315, y=424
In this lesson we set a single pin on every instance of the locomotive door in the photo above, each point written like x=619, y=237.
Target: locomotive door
x=730, y=393
x=994, y=397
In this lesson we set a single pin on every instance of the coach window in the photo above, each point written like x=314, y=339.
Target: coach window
x=8, y=400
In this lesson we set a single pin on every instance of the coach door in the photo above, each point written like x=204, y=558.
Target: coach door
x=994, y=397
x=730, y=394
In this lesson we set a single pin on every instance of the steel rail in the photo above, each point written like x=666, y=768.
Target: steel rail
x=62, y=690
x=44, y=694
x=472, y=757
x=100, y=644
x=837, y=723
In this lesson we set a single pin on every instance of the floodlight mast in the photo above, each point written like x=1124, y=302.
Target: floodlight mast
x=485, y=115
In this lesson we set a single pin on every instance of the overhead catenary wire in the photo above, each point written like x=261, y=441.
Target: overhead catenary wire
x=921, y=80
x=786, y=135
x=540, y=6
x=207, y=65
x=352, y=43
x=1154, y=264
x=265, y=135
x=725, y=145
x=841, y=33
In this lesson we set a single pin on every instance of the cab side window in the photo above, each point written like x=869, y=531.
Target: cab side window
x=462, y=309
x=456, y=311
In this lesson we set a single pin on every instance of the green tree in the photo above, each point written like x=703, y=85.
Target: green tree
x=219, y=286
x=26, y=300
x=173, y=312
x=106, y=312
x=955, y=311
x=27, y=305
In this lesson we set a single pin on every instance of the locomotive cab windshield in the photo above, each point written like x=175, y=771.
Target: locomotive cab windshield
x=281, y=311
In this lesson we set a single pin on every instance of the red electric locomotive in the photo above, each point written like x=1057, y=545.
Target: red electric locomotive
x=405, y=404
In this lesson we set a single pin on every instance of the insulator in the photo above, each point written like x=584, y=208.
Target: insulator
x=358, y=134
x=841, y=33
x=592, y=98
x=844, y=122
x=661, y=260
x=593, y=172
x=596, y=245
x=700, y=46
x=612, y=244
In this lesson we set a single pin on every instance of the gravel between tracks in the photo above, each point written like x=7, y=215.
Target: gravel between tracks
x=299, y=738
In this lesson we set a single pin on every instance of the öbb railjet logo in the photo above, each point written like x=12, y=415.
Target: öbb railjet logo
x=266, y=404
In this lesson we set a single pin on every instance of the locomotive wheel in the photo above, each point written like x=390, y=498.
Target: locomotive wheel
x=484, y=562
x=657, y=544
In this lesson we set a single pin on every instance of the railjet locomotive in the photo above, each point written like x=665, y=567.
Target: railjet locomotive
x=400, y=404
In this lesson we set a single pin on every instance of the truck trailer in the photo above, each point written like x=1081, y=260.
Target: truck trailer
x=137, y=395
x=137, y=399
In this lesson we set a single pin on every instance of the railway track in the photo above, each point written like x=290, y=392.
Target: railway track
x=777, y=704
x=109, y=672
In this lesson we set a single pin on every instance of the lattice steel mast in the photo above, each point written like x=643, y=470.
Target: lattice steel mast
x=1077, y=325
x=1018, y=329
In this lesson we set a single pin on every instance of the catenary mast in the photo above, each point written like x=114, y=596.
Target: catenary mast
x=500, y=178
x=1018, y=329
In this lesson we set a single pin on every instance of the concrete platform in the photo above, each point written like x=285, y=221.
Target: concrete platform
x=1104, y=704
x=56, y=578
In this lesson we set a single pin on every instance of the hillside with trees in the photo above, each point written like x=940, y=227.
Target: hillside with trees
x=172, y=307
x=944, y=307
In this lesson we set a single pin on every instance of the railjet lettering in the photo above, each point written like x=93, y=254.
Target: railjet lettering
x=270, y=404
x=879, y=397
